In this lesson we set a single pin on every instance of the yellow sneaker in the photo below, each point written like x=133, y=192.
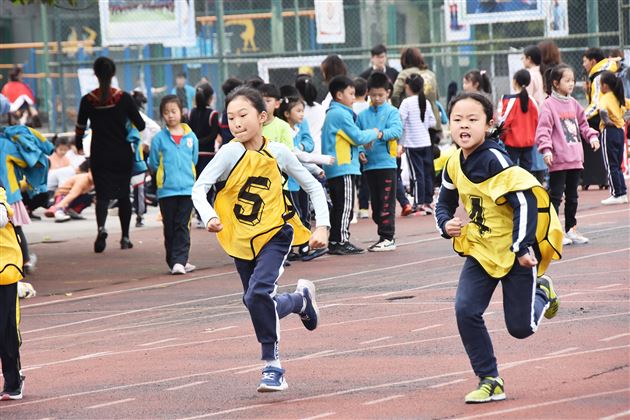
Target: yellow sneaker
x=489, y=389
x=545, y=283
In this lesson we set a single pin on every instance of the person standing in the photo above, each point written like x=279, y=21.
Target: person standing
x=378, y=60
x=108, y=109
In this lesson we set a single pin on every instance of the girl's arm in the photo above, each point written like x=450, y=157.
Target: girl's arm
x=82, y=119
x=446, y=205
x=132, y=112
x=429, y=117
x=544, y=131
x=306, y=140
x=195, y=151
x=589, y=134
x=154, y=153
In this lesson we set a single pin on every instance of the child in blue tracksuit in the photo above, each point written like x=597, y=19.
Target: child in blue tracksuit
x=174, y=153
x=379, y=159
x=340, y=139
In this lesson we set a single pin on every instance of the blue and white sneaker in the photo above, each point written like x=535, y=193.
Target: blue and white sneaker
x=310, y=314
x=272, y=380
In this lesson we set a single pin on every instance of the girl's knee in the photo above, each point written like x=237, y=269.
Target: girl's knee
x=253, y=297
x=520, y=331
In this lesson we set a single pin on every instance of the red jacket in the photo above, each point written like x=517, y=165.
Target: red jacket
x=519, y=128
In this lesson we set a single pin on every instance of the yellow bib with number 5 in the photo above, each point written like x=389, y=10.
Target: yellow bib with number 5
x=252, y=206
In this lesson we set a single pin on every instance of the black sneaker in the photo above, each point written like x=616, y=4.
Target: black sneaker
x=347, y=248
x=293, y=256
x=100, y=243
x=139, y=222
x=15, y=394
x=333, y=248
x=314, y=253
x=125, y=243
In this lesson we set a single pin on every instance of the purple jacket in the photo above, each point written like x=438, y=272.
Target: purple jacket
x=561, y=126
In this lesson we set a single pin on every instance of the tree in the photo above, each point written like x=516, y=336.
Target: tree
x=72, y=3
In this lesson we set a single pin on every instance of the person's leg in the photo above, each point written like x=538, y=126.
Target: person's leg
x=523, y=302
x=305, y=208
x=513, y=153
x=556, y=188
x=364, y=191
x=612, y=149
x=124, y=214
x=428, y=174
x=102, y=205
x=474, y=292
x=387, y=226
x=337, y=197
x=571, y=197
x=525, y=158
x=10, y=337
x=168, y=209
x=416, y=168
x=181, y=230
x=348, y=207
x=373, y=182
x=401, y=196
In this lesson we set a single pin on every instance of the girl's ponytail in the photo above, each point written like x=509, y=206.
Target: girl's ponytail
x=523, y=79
x=416, y=84
x=203, y=94
x=484, y=83
x=615, y=84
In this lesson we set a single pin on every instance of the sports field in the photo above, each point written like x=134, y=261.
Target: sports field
x=113, y=336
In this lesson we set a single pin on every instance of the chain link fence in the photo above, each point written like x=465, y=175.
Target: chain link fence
x=259, y=32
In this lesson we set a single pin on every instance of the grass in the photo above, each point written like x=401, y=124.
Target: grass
x=143, y=15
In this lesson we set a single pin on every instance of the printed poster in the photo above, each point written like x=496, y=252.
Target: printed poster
x=329, y=19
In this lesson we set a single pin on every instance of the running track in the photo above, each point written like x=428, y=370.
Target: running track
x=387, y=345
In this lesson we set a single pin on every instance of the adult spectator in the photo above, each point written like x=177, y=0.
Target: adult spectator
x=109, y=109
x=185, y=92
x=22, y=100
x=531, y=61
x=331, y=67
x=624, y=70
x=412, y=62
x=549, y=57
x=378, y=60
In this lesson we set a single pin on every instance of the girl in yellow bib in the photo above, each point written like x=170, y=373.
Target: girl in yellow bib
x=512, y=236
x=256, y=225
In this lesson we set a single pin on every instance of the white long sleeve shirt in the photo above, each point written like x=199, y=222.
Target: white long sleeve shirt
x=415, y=132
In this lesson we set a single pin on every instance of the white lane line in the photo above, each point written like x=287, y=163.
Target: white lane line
x=426, y=286
x=567, y=350
x=378, y=386
x=609, y=286
x=614, y=337
x=110, y=403
x=545, y=404
x=91, y=355
x=175, y=388
x=456, y=381
x=585, y=215
x=571, y=294
x=584, y=257
x=393, y=397
x=166, y=340
x=320, y=416
x=427, y=327
x=376, y=340
x=213, y=330
x=616, y=416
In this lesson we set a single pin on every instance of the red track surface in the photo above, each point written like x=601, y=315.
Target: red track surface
x=133, y=342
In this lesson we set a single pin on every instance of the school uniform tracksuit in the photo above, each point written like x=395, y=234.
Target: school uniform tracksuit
x=613, y=142
x=174, y=165
x=381, y=169
x=340, y=138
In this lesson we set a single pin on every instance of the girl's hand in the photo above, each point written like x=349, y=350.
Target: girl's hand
x=319, y=238
x=528, y=260
x=548, y=160
x=595, y=145
x=453, y=227
x=362, y=158
x=400, y=151
x=214, y=225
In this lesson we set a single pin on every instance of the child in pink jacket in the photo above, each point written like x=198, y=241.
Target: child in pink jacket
x=561, y=126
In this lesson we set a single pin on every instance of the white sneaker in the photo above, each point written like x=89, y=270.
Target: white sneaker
x=30, y=266
x=566, y=240
x=189, y=267
x=25, y=290
x=61, y=216
x=178, y=269
x=383, y=246
x=364, y=213
x=622, y=199
x=354, y=219
x=576, y=237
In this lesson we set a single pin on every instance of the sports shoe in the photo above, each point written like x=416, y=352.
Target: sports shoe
x=575, y=237
x=189, y=267
x=426, y=209
x=314, y=253
x=15, y=394
x=74, y=215
x=364, y=213
x=139, y=221
x=178, y=269
x=622, y=199
x=61, y=216
x=545, y=283
x=310, y=314
x=50, y=211
x=125, y=243
x=383, y=246
x=25, y=290
x=100, y=243
x=406, y=210
x=489, y=389
x=293, y=256
x=272, y=380
x=566, y=240
x=31, y=264
x=345, y=248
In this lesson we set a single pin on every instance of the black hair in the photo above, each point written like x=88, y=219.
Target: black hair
x=255, y=82
x=339, y=84
x=171, y=99
x=14, y=75
x=360, y=87
x=554, y=74
x=333, y=66
x=594, y=54
x=139, y=99
x=615, y=84
x=378, y=80
x=269, y=90
x=304, y=85
x=104, y=69
x=230, y=84
x=533, y=52
x=416, y=84
x=61, y=141
x=287, y=103
x=251, y=94
x=451, y=92
x=488, y=109
x=289, y=91
x=481, y=78
x=378, y=50
x=84, y=167
x=523, y=79
x=203, y=95
x=182, y=74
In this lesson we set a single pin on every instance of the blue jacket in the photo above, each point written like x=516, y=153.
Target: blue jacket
x=173, y=164
x=302, y=141
x=382, y=154
x=340, y=138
